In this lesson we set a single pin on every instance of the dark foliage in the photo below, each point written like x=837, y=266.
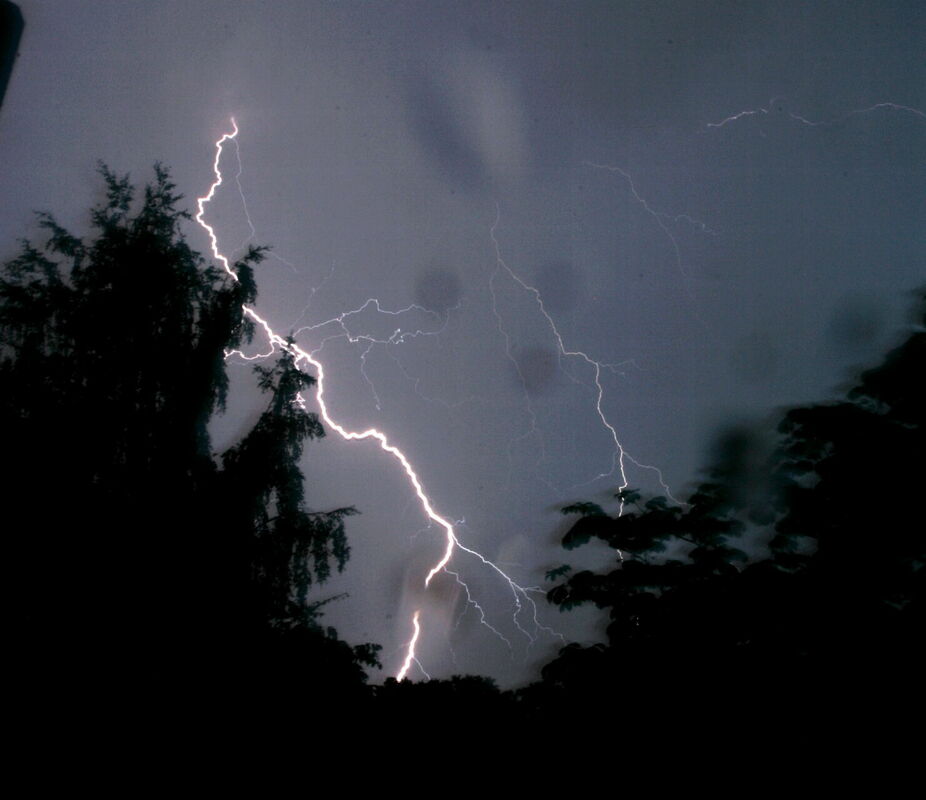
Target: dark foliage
x=781, y=605
x=464, y=701
x=289, y=546
x=137, y=569
x=819, y=628
x=778, y=613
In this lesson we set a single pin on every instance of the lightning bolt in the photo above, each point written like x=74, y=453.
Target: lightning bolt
x=410, y=657
x=884, y=106
x=521, y=594
x=876, y=107
x=344, y=329
x=621, y=456
x=750, y=112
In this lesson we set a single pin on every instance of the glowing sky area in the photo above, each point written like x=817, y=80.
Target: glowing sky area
x=720, y=203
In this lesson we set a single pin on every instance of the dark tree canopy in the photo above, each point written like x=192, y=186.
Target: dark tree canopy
x=784, y=584
x=146, y=570
x=134, y=559
x=291, y=547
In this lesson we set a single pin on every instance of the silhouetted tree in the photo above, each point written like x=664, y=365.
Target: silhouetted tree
x=280, y=549
x=463, y=705
x=289, y=545
x=126, y=544
x=793, y=585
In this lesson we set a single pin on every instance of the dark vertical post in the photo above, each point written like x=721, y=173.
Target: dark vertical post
x=11, y=28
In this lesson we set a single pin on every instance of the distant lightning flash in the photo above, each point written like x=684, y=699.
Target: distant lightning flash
x=876, y=107
x=452, y=543
x=621, y=456
x=751, y=112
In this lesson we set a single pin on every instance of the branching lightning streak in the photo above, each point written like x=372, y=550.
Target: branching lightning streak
x=312, y=292
x=244, y=201
x=620, y=454
x=805, y=121
x=659, y=216
x=300, y=355
x=398, y=336
x=503, y=331
x=875, y=107
x=416, y=382
x=247, y=214
x=410, y=657
x=751, y=112
x=471, y=601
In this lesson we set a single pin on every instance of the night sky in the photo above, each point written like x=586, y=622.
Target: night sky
x=722, y=203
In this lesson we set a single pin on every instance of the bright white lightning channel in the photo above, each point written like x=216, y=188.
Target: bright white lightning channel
x=452, y=543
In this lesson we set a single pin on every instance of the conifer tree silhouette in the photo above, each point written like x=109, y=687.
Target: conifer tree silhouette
x=133, y=559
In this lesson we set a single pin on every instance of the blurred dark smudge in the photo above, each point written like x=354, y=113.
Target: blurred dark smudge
x=537, y=366
x=438, y=290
